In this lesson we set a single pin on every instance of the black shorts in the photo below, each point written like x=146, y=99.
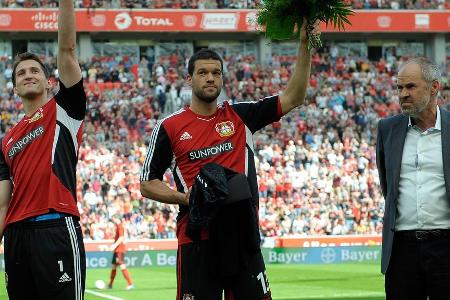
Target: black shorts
x=45, y=260
x=118, y=258
x=194, y=280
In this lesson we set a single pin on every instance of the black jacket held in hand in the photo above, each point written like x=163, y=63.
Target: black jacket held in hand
x=220, y=201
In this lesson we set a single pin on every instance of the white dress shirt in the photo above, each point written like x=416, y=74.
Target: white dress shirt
x=422, y=202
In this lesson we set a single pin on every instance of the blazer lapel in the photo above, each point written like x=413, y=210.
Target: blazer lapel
x=398, y=135
x=445, y=135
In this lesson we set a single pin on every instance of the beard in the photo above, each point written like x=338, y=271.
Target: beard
x=417, y=108
x=206, y=97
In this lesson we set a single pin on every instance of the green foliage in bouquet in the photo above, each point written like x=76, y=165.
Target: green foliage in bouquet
x=280, y=16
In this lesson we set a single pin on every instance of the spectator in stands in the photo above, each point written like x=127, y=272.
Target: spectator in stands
x=214, y=4
x=372, y=93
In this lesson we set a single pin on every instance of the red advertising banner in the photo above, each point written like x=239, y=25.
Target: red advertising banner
x=281, y=242
x=99, y=20
x=133, y=245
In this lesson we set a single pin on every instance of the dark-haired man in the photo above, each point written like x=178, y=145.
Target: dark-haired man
x=44, y=252
x=206, y=132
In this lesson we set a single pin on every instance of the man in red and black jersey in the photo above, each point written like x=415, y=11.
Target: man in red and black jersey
x=44, y=251
x=206, y=132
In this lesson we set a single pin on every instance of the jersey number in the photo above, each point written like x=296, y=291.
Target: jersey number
x=61, y=267
x=264, y=281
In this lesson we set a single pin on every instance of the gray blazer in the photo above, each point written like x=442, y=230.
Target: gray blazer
x=390, y=142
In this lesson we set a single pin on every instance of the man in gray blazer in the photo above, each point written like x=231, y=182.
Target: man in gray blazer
x=413, y=159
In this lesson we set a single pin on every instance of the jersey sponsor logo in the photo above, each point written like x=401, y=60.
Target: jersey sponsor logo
x=210, y=151
x=185, y=136
x=225, y=129
x=24, y=141
x=38, y=115
x=188, y=297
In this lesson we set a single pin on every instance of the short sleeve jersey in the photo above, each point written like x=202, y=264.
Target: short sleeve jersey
x=185, y=141
x=39, y=155
x=120, y=231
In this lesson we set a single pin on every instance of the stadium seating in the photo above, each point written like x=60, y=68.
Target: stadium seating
x=316, y=167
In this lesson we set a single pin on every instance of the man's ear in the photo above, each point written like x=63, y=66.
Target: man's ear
x=49, y=85
x=189, y=80
x=435, y=87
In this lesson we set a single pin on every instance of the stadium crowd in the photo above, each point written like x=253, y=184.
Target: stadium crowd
x=218, y=4
x=316, y=167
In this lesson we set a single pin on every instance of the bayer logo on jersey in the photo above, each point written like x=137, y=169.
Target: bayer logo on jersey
x=100, y=284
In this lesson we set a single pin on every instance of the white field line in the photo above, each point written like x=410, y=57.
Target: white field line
x=103, y=295
x=347, y=296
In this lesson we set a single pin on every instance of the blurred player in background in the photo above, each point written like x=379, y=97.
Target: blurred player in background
x=44, y=251
x=119, y=253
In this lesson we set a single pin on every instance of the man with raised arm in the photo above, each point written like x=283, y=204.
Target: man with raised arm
x=44, y=251
x=204, y=133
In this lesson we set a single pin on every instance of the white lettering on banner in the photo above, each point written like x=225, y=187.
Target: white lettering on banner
x=96, y=262
x=143, y=21
x=41, y=16
x=227, y=21
x=162, y=259
x=422, y=21
x=130, y=261
x=360, y=256
x=250, y=20
x=189, y=20
x=384, y=21
x=5, y=20
x=98, y=20
x=287, y=258
x=146, y=260
x=103, y=247
x=45, y=21
x=46, y=25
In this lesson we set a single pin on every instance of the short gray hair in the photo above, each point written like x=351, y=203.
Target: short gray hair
x=430, y=69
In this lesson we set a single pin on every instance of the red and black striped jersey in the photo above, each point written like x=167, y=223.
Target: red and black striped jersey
x=39, y=154
x=185, y=141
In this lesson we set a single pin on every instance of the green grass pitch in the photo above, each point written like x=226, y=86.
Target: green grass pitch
x=287, y=282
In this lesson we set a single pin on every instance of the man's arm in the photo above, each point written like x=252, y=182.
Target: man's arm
x=117, y=243
x=157, y=190
x=68, y=67
x=295, y=92
x=380, y=161
x=5, y=198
